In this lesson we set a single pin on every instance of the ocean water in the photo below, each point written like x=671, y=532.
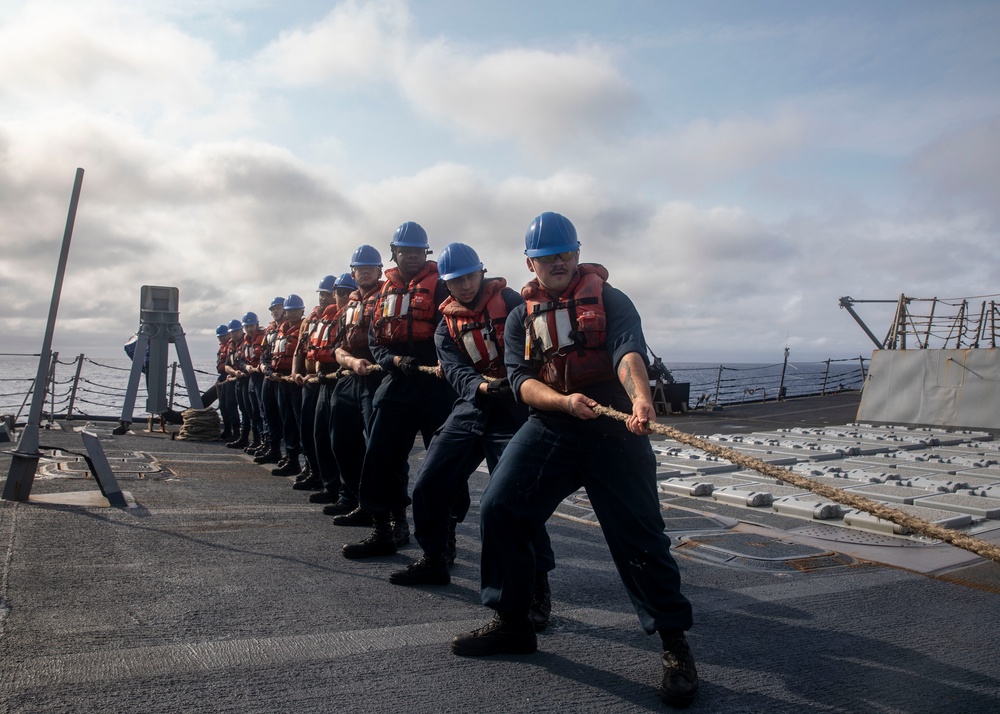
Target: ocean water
x=97, y=390
x=100, y=387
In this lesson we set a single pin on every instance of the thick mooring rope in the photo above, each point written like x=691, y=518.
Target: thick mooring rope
x=200, y=425
x=879, y=510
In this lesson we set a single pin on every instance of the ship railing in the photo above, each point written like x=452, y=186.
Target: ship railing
x=91, y=390
x=724, y=384
x=85, y=388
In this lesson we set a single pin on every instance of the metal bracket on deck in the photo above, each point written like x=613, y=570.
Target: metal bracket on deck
x=101, y=469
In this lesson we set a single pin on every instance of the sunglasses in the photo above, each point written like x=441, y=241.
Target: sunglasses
x=569, y=255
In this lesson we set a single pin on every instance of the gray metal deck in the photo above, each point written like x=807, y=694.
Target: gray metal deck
x=223, y=590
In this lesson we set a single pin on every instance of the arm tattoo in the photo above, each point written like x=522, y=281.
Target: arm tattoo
x=625, y=375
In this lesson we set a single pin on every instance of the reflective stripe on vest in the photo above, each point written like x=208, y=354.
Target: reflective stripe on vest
x=478, y=331
x=323, y=338
x=405, y=312
x=567, y=337
x=356, y=318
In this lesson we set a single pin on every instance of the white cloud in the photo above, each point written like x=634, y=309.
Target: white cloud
x=706, y=152
x=961, y=168
x=355, y=41
x=532, y=95
x=100, y=53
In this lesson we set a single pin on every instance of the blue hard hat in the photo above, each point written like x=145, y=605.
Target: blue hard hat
x=294, y=302
x=346, y=280
x=235, y=325
x=366, y=255
x=458, y=259
x=548, y=234
x=278, y=301
x=326, y=284
x=222, y=330
x=250, y=319
x=410, y=235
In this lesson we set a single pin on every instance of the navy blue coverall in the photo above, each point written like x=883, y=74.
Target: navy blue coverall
x=403, y=406
x=553, y=455
x=478, y=427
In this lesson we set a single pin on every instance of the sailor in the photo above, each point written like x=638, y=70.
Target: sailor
x=237, y=374
x=578, y=343
x=470, y=348
x=322, y=352
x=252, y=347
x=270, y=453
x=356, y=387
x=304, y=377
x=408, y=400
x=288, y=392
x=228, y=408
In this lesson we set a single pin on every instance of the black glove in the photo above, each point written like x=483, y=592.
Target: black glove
x=500, y=388
x=409, y=366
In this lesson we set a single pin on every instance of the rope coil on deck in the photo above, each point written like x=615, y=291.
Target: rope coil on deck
x=200, y=425
x=879, y=510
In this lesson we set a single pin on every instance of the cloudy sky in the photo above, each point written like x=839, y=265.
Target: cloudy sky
x=737, y=165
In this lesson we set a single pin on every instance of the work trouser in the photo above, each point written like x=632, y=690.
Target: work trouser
x=257, y=406
x=403, y=407
x=290, y=407
x=350, y=423
x=326, y=462
x=243, y=400
x=229, y=407
x=307, y=418
x=272, y=412
x=544, y=463
x=441, y=490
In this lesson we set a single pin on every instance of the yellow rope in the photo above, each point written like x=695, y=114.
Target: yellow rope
x=879, y=510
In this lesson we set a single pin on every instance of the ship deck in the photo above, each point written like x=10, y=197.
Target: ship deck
x=223, y=590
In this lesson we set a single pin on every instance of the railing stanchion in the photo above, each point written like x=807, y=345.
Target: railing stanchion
x=76, y=383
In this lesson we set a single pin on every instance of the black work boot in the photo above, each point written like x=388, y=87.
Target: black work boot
x=241, y=442
x=400, y=528
x=322, y=496
x=255, y=443
x=291, y=467
x=342, y=507
x=357, y=517
x=311, y=483
x=499, y=636
x=429, y=570
x=271, y=456
x=226, y=435
x=680, y=678
x=379, y=542
x=541, y=602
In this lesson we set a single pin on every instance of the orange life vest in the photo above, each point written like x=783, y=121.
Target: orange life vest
x=404, y=312
x=252, y=347
x=267, y=342
x=566, y=337
x=478, y=331
x=309, y=325
x=284, y=347
x=235, y=358
x=323, y=337
x=222, y=357
x=356, y=317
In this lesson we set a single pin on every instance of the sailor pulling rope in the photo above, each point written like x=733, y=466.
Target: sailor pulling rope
x=879, y=510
